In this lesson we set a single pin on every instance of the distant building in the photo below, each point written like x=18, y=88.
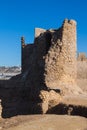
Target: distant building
x=82, y=57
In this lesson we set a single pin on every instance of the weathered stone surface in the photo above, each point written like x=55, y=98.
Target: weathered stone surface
x=60, y=64
x=82, y=57
x=51, y=60
x=82, y=71
x=39, y=31
x=49, y=72
x=49, y=99
x=0, y=108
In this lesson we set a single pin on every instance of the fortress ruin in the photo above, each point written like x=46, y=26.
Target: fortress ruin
x=49, y=73
x=81, y=57
x=51, y=60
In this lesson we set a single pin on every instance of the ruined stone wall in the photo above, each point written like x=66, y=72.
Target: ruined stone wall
x=82, y=71
x=48, y=66
x=51, y=62
x=26, y=53
x=52, y=58
x=81, y=57
x=81, y=66
x=60, y=64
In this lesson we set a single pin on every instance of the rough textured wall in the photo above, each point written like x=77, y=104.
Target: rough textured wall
x=26, y=51
x=81, y=66
x=51, y=60
x=82, y=71
x=39, y=31
x=48, y=66
x=60, y=64
x=81, y=57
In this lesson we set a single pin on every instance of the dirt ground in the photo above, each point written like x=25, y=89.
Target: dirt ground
x=44, y=122
x=50, y=122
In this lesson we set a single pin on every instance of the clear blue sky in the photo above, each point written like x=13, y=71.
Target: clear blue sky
x=20, y=17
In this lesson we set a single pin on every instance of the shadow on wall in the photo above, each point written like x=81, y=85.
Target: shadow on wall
x=18, y=100
x=20, y=94
x=69, y=110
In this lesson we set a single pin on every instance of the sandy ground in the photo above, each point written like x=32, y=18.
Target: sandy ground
x=50, y=122
x=44, y=122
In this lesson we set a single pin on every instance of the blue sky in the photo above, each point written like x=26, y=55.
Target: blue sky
x=20, y=17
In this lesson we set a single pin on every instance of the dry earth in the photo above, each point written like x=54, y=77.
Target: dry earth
x=44, y=122
x=50, y=122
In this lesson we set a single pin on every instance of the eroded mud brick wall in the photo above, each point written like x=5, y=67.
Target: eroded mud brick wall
x=60, y=65
x=81, y=57
x=51, y=60
x=82, y=67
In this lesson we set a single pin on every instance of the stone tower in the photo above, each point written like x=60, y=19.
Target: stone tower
x=51, y=60
x=81, y=57
x=60, y=67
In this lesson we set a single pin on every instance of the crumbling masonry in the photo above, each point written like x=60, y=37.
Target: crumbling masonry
x=51, y=60
x=49, y=72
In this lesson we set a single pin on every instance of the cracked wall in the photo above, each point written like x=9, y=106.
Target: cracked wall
x=51, y=60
